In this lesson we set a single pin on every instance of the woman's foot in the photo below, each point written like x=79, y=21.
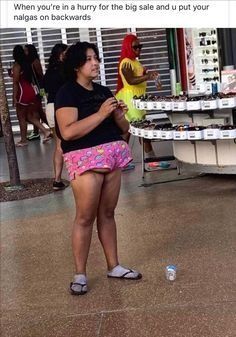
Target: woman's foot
x=79, y=286
x=21, y=144
x=33, y=136
x=124, y=273
x=47, y=136
x=58, y=185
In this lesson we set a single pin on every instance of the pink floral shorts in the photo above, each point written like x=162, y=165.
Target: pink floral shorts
x=110, y=156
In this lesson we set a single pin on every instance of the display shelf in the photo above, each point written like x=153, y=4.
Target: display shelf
x=208, y=155
x=206, y=56
x=202, y=60
x=216, y=153
x=186, y=103
x=154, y=159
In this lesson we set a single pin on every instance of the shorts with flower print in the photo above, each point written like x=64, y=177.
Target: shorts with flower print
x=109, y=156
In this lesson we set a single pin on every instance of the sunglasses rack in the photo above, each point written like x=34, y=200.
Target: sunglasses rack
x=185, y=103
x=203, y=60
x=151, y=130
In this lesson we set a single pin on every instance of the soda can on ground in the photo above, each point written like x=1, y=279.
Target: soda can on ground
x=171, y=272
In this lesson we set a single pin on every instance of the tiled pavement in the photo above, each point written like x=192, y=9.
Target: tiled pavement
x=191, y=223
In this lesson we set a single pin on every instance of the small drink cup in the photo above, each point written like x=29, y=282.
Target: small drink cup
x=171, y=272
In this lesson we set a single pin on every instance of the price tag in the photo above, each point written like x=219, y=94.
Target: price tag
x=206, y=104
x=225, y=102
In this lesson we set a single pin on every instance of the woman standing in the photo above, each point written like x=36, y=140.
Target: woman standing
x=32, y=57
x=91, y=122
x=54, y=78
x=132, y=81
x=24, y=96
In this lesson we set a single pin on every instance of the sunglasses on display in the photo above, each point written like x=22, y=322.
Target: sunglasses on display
x=204, y=42
x=208, y=70
x=202, y=34
x=138, y=46
x=208, y=79
x=214, y=60
x=207, y=51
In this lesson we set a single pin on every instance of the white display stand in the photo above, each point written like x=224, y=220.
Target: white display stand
x=206, y=156
x=209, y=155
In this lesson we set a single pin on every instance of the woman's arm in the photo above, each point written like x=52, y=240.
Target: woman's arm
x=71, y=128
x=16, y=79
x=132, y=79
x=38, y=69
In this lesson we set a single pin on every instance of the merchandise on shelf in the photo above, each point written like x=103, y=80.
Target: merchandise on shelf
x=193, y=103
x=195, y=132
x=151, y=130
x=185, y=102
x=181, y=132
x=211, y=132
x=202, y=60
x=227, y=132
x=209, y=102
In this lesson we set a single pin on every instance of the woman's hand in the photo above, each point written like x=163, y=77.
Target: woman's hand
x=120, y=111
x=108, y=107
x=152, y=75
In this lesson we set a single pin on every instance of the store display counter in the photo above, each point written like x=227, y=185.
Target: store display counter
x=203, y=140
x=215, y=151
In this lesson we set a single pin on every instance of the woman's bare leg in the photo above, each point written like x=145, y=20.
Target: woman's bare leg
x=33, y=117
x=57, y=159
x=87, y=190
x=148, y=146
x=21, y=115
x=42, y=115
x=105, y=218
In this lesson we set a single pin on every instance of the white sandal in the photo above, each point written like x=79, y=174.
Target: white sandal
x=78, y=288
x=124, y=273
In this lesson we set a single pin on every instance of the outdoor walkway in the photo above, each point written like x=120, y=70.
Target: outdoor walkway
x=190, y=223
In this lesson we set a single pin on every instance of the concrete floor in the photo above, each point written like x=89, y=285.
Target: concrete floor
x=189, y=222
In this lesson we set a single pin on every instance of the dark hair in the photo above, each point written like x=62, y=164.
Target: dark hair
x=54, y=58
x=20, y=58
x=76, y=56
x=32, y=53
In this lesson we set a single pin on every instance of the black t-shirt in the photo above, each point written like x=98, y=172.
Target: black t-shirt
x=53, y=80
x=87, y=102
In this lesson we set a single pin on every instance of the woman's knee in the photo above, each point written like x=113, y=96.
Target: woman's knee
x=84, y=220
x=32, y=114
x=58, y=143
x=21, y=114
x=106, y=213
